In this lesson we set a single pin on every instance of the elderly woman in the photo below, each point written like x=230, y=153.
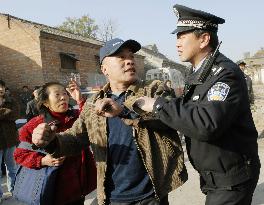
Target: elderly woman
x=77, y=174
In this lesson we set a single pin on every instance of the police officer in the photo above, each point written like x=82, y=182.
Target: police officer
x=242, y=66
x=221, y=137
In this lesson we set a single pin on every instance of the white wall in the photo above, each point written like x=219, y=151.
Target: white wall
x=262, y=75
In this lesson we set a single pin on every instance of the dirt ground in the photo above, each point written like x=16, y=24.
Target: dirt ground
x=258, y=109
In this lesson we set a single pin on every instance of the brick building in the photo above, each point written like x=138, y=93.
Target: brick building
x=32, y=54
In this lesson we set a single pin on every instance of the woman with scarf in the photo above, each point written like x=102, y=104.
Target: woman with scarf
x=77, y=174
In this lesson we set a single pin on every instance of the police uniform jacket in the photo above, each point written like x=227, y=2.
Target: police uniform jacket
x=216, y=119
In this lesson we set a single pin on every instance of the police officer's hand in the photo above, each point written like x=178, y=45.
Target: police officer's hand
x=43, y=134
x=107, y=107
x=145, y=103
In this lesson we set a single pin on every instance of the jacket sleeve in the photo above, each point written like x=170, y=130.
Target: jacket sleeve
x=173, y=95
x=10, y=113
x=73, y=140
x=81, y=104
x=28, y=158
x=29, y=113
x=208, y=119
x=24, y=157
x=250, y=90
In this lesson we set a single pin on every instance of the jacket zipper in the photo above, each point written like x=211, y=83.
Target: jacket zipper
x=152, y=182
x=134, y=131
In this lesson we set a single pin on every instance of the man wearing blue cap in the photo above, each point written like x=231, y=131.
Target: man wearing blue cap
x=139, y=159
x=214, y=113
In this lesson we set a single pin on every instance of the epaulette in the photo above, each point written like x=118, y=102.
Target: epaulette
x=216, y=70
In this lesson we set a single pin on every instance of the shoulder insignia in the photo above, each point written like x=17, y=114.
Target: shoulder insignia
x=218, y=92
x=195, y=98
x=214, y=69
x=217, y=70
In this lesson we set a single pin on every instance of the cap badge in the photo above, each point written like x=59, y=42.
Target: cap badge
x=176, y=13
x=116, y=43
x=196, y=97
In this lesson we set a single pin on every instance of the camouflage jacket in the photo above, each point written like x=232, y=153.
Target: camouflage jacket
x=159, y=146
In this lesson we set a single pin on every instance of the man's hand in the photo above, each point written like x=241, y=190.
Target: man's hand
x=43, y=134
x=50, y=161
x=145, y=103
x=74, y=90
x=107, y=107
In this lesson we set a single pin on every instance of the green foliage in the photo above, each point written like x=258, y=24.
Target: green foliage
x=84, y=26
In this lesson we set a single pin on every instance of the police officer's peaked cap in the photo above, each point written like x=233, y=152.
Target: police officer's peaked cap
x=191, y=19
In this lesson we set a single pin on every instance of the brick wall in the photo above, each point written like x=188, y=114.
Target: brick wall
x=20, y=59
x=53, y=45
x=87, y=53
x=31, y=57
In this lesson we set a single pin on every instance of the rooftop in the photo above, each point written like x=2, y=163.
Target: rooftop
x=53, y=30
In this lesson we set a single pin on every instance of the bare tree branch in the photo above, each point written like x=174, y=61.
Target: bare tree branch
x=108, y=30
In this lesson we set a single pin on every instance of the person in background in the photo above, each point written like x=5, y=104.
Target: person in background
x=9, y=112
x=165, y=90
x=77, y=174
x=32, y=110
x=3, y=168
x=214, y=113
x=7, y=92
x=242, y=66
x=24, y=97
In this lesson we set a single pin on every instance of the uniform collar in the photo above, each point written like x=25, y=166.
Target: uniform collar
x=195, y=69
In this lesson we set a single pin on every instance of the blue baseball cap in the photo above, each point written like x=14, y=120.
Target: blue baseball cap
x=113, y=46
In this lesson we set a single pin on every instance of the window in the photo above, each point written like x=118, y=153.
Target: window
x=68, y=61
